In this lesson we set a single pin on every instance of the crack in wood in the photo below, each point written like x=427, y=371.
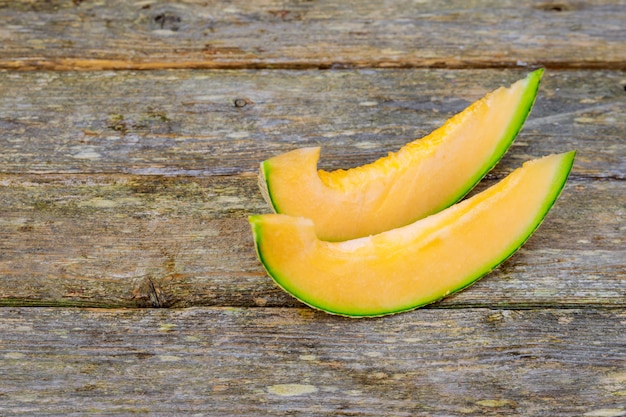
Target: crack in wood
x=74, y=64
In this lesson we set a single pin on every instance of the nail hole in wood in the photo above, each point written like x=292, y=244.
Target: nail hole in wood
x=168, y=20
x=553, y=7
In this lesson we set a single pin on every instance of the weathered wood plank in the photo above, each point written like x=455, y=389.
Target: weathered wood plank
x=117, y=34
x=131, y=189
x=279, y=362
x=118, y=240
x=186, y=122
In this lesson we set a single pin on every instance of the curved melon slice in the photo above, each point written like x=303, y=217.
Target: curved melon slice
x=422, y=178
x=414, y=265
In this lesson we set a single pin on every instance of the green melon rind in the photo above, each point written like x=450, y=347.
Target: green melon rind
x=558, y=184
x=557, y=187
x=515, y=126
x=264, y=186
x=257, y=233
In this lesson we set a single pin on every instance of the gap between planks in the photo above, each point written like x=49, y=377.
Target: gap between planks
x=71, y=64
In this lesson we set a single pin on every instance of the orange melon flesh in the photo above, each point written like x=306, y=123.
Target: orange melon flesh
x=414, y=265
x=422, y=178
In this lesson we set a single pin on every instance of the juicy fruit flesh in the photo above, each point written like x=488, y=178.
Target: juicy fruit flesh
x=405, y=268
x=422, y=178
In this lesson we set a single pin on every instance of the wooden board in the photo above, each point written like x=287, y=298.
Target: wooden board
x=76, y=34
x=128, y=188
x=120, y=199
x=294, y=362
x=115, y=240
x=186, y=122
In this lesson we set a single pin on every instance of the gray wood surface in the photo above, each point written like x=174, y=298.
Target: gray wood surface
x=296, y=362
x=77, y=34
x=186, y=122
x=128, y=279
x=134, y=200
x=128, y=241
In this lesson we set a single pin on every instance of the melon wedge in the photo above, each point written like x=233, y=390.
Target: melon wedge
x=408, y=267
x=422, y=178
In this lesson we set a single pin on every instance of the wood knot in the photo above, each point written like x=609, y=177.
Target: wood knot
x=242, y=102
x=147, y=295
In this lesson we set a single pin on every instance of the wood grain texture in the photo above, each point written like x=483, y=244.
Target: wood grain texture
x=132, y=189
x=116, y=34
x=135, y=241
x=129, y=188
x=187, y=123
x=294, y=362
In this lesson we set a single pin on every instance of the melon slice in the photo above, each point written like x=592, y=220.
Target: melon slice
x=422, y=178
x=407, y=267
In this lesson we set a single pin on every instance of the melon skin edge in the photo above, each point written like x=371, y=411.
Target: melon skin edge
x=556, y=186
x=324, y=211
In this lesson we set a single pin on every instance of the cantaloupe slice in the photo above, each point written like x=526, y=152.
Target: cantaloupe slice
x=417, y=264
x=422, y=178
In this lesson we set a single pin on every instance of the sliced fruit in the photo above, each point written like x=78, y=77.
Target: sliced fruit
x=422, y=178
x=417, y=264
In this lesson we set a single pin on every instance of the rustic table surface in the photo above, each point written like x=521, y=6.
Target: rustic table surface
x=130, y=136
